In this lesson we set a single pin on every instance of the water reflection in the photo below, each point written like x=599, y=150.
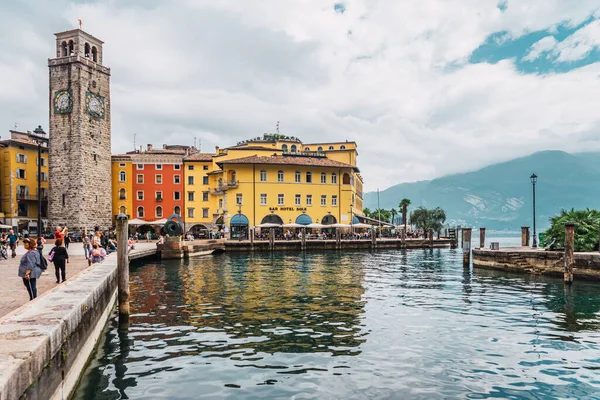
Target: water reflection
x=405, y=324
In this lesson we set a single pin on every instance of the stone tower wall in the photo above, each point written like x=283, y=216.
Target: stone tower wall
x=80, y=147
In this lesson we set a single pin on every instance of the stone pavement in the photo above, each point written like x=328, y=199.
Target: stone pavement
x=12, y=291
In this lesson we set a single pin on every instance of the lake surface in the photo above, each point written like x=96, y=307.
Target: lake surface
x=387, y=324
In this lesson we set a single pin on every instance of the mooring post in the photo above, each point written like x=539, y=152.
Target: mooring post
x=431, y=238
x=569, y=248
x=272, y=238
x=373, y=238
x=481, y=238
x=338, y=238
x=525, y=236
x=466, y=247
x=403, y=236
x=123, y=267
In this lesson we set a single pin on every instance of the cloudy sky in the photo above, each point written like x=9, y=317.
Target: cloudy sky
x=426, y=88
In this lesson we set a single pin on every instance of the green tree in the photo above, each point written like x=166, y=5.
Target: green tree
x=394, y=213
x=587, y=226
x=404, y=203
x=381, y=214
x=428, y=220
x=367, y=212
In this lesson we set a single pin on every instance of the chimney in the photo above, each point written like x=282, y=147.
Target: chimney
x=149, y=146
x=217, y=149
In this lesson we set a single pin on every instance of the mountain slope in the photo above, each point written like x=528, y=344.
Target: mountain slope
x=500, y=196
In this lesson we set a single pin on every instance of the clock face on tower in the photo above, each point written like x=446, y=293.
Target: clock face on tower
x=94, y=105
x=63, y=102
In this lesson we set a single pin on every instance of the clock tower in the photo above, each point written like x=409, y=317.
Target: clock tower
x=80, y=138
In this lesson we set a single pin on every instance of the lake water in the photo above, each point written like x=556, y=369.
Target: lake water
x=387, y=324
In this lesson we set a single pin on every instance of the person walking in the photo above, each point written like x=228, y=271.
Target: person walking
x=30, y=267
x=13, y=240
x=60, y=257
x=67, y=239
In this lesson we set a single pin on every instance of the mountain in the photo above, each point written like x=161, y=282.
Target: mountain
x=499, y=197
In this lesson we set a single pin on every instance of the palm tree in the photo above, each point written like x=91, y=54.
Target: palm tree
x=428, y=220
x=394, y=213
x=367, y=212
x=404, y=203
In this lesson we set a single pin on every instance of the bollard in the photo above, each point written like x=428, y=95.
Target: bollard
x=123, y=267
x=251, y=236
x=431, y=238
x=569, y=248
x=338, y=238
x=403, y=236
x=466, y=247
x=525, y=236
x=482, y=238
x=272, y=238
x=373, y=238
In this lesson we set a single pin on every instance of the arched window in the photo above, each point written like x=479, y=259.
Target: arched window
x=280, y=176
x=140, y=212
x=177, y=210
x=122, y=176
x=284, y=148
x=71, y=48
x=309, y=177
x=86, y=50
x=293, y=148
x=64, y=49
x=122, y=210
x=159, y=212
x=263, y=175
x=320, y=149
x=297, y=177
x=94, y=54
x=334, y=178
x=330, y=147
x=323, y=177
x=342, y=147
x=346, y=179
x=307, y=149
x=122, y=194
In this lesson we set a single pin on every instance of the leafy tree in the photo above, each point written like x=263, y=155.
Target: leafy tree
x=367, y=212
x=381, y=214
x=394, y=213
x=404, y=203
x=428, y=220
x=587, y=226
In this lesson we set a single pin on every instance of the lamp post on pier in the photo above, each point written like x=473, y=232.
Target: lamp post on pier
x=533, y=178
x=40, y=138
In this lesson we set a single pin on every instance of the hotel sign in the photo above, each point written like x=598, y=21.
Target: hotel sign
x=287, y=208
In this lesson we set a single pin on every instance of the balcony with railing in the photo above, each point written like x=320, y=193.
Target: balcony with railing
x=223, y=186
x=30, y=197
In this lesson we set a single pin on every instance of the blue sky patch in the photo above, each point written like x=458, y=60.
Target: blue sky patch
x=339, y=8
x=500, y=46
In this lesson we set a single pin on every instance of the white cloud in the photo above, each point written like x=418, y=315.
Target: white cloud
x=391, y=75
x=579, y=44
x=544, y=45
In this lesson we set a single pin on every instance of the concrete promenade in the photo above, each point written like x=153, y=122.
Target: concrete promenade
x=12, y=291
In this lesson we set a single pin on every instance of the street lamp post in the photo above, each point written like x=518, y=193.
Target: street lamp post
x=533, y=178
x=40, y=138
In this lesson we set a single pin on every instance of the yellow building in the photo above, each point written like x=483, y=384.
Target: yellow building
x=122, y=176
x=274, y=179
x=19, y=180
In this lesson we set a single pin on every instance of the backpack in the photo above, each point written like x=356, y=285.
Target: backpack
x=43, y=262
x=51, y=255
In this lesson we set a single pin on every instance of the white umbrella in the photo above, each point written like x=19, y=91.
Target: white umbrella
x=292, y=225
x=339, y=225
x=5, y=227
x=361, y=225
x=268, y=225
x=159, y=222
x=315, y=226
x=137, y=221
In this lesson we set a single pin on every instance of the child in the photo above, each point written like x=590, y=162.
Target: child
x=97, y=254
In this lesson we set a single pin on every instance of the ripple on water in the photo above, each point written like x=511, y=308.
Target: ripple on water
x=400, y=324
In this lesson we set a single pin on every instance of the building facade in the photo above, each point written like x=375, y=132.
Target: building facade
x=80, y=133
x=270, y=179
x=19, y=200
